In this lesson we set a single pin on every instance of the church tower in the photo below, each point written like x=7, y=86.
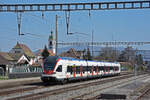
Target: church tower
x=52, y=43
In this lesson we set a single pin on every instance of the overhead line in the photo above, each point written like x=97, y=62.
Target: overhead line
x=75, y=6
x=103, y=43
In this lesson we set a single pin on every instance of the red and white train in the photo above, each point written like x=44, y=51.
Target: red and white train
x=63, y=69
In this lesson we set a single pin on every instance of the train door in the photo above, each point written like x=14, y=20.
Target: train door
x=104, y=70
x=108, y=70
x=97, y=70
x=74, y=71
x=81, y=71
x=92, y=70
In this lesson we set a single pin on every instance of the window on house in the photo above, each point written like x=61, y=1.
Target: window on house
x=17, y=51
x=50, y=43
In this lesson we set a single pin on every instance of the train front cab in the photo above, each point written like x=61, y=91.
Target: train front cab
x=48, y=66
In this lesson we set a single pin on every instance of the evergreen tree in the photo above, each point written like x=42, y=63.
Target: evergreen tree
x=45, y=52
x=88, y=55
x=139, y=59
x=84, y=55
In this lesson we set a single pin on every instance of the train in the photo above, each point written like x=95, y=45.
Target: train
x=64, y=69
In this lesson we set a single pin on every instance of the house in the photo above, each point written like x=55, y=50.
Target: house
x=73, y=53
x=19, y=55
x=22, y=54
x=4, y=63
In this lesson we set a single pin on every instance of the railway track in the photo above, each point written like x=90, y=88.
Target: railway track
x=28, y=95
x=7, y=90
x=60, y=90
x=145, y=95
x=92, y=93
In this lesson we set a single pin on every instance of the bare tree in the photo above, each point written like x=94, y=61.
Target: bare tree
x=108, y=54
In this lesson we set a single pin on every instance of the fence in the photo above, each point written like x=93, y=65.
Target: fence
x=24, y=69
x=24, y=72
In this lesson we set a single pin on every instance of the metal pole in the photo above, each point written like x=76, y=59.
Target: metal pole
x=56, y=34
x=19, y=23
x=92, y=44
x=135, y=73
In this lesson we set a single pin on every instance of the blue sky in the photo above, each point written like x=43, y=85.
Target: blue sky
x=119, y=25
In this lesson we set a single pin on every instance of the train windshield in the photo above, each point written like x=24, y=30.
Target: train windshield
x=50, y=63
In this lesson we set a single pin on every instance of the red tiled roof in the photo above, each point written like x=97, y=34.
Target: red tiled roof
x=71, y=53
x=6, y=56
x=3, y=61
x=10, y=56
x=25, y=48
x=50, y=52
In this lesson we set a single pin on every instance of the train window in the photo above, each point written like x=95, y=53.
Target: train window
x=113, y=68
x=49, y=63
x=69, y=69
x=88, y=68
x=59, y=69
x=101, y=68
x=110, y=68
x=83, y=69
x=94, y=68
x=98, y=68
x=78, y=70
x=107, y=69
x=116, y=68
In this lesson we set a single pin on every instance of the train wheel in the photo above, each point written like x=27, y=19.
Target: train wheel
x=45, y=81
x=63, y=81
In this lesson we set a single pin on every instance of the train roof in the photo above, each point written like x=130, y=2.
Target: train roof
x=74, y=59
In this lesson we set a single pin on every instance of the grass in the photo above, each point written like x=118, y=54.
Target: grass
x=3, y=77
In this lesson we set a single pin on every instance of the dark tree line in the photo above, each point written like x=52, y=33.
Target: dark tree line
x=87, y=54
x=127, y=55
x=110, y=54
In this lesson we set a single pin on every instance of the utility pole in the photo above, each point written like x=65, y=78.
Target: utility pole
x=56, y=34
x=92, y=45
x=19, y=23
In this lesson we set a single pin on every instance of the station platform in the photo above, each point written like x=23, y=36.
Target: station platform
x=15, y=82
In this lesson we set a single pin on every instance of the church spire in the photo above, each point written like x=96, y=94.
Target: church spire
x=52, y=43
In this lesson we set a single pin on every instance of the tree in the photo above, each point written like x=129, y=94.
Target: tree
x=128, y=55
x=108, y=54
x=84, y=55
x=88, y=55
x=139, y=59
x=45, y=53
